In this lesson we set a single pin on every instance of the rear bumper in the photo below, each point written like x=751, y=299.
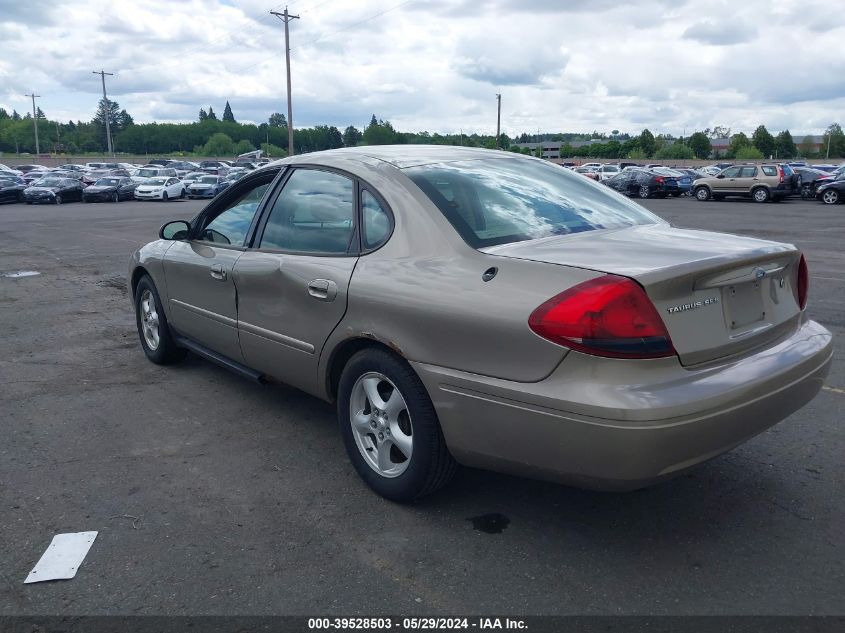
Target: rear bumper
x=621, y=425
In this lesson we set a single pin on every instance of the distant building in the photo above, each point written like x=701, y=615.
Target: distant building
x=719, y=146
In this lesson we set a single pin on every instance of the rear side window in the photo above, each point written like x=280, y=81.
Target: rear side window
x=748, y=172
x=497, y=201
x=770, y=171
x=314, y=213
x=376, y=221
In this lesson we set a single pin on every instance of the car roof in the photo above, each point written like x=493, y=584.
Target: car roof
x=401, y=156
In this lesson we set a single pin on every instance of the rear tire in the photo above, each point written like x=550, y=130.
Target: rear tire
x=702, y=194
x=644, y=192
x=58, y=198
x=760, y=194
x=153, y=330
x=429, y=466
x=115, y=197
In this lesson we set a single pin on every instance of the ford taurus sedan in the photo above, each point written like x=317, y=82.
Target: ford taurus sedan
x=53, y=190
x=465, y=306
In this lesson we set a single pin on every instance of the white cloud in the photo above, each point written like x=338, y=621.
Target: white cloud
x=437, y=65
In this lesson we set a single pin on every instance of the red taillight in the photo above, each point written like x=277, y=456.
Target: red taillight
x=659, y=179
x=780, y=173
x=606, y=316
x=803, y=283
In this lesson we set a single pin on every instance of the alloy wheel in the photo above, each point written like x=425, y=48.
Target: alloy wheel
x=830, y=197
x=149, y=320
x=644, y=191
x=381, y=424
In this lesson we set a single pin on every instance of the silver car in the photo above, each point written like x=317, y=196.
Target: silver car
x=465, y=306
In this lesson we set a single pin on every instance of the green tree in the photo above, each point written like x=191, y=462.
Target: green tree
x=211, y=115
x=15, y=116
x=833, y=142
x=227, y=114
x=242, y=147
x=4, y=114
x=218, y=145
x=785, y=146
x=277, y=119
x=379, y=133
x=647, y=143
x=675, y=151
x=637, y=154
x=749, y=152
x=352, y=136
x=203, y=115
x=807, y=148
x=700, y=145
x=273, y=151
x=738, y=141
x=39, y=114
x=763, y=141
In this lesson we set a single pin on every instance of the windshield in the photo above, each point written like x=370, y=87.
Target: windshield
x=49, y=182
x=497, y=201
x=147, y=173
x=210, y=179
x=107, y=182
x=156, y=181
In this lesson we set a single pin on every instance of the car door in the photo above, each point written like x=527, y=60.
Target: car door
x=292, y=285
x=198, y=271
x=726, y=182
x=746, y=179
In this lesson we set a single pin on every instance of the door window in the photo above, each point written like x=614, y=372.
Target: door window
x=731, y=172
x=314, y=213
x=231, y=225
x=748, y=172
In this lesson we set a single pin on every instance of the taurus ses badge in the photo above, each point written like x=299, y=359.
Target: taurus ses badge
x=759, y=273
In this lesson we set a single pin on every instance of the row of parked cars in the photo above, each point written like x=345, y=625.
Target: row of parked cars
x=112, y=181
x=760, y=182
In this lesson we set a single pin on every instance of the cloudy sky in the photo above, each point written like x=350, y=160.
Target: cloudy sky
x=560, y=65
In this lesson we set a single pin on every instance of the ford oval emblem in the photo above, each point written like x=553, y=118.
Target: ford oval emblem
x=759, y=273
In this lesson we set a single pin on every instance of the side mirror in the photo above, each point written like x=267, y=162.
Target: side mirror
x=175, y=230
x=720, y=176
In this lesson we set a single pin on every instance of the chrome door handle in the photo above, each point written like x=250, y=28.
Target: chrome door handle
x=218, y=272
x=322, y=289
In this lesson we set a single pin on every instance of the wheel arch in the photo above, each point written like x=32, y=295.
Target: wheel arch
x=345, y=350
x=139, y=272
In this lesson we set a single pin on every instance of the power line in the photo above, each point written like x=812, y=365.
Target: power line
x=286, y=18
x=35, y=120
x=354, y=24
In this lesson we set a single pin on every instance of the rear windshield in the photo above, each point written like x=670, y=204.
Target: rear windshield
x=498, y=201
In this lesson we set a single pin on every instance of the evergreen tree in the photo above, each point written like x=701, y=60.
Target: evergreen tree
x=3, y=114
x=763, y=141
x=15, y=116
x=203, y=115
x=211, y=115
x=277, y=119
x=352, y=136
x=647, y=143
x=785, y=146
x=39, y=114
x=227, y=114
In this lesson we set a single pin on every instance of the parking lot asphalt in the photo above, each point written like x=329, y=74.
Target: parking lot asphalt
x=213, y=495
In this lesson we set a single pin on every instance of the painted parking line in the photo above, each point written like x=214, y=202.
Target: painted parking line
x=841, y=392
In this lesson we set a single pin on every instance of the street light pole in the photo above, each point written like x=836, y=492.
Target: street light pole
x=498, y=117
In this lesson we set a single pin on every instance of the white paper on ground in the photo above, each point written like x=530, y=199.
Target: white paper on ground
x=63, y=558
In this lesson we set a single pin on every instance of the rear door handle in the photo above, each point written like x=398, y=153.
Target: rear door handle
x=322, y=289
x=218, y=272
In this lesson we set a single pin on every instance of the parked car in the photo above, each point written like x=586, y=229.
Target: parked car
x=607, y=171
x=809, y=179
x=761, y=183
x=182, y=167
x=683, y=179
x=9, y=170
x=160, y=188
x=28, y=168
x=32, y=176
x=207, y=187
x=145, y=173
x=832, y=191
x=11, y=188
x=644, y=183
x=489, y=310
x=53, y=190
x=214, y=167
x=110, y=189
x=192, y=177
x=823, y=167
x=71, y=167
x=589, y=172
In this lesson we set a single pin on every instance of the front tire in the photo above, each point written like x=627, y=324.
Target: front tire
x=164, y=197
x=644, y=192
x=58, y=198
x=390, y=428
x=702, y=194
x=156, y=339
x=115, y=197
x=830, y=197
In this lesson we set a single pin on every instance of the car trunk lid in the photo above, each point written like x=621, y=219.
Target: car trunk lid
x=719, y=295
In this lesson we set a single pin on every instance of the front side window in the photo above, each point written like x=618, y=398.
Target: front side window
x=231, y=225
x=731, y=172
x=314, y=213
x=497, y=201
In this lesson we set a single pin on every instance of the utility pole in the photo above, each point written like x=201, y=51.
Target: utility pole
x=35, y=120
x=102, y=75
x=287, y=17
x=829, y=134
x=498, y=117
